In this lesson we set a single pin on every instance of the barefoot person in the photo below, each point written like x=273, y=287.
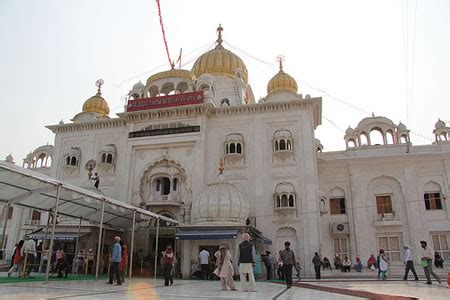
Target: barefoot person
x=224, y=268
x=246, y=260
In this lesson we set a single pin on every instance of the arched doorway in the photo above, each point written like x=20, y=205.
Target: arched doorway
x=287, y=234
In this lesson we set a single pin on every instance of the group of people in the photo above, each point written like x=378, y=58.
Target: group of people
x=382, y=263
x=24, y=253
x=247, y=260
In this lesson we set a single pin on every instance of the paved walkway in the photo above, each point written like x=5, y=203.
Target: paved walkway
x=142, y=288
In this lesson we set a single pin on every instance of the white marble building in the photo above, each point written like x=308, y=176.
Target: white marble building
x=380, y=192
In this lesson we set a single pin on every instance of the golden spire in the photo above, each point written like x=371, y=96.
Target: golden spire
x=221, y=167
x=99, y=84
x=219, y=35
x=280, y=59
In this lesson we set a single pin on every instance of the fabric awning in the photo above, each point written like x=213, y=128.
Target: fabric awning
x=28, y=188
x=213, y=234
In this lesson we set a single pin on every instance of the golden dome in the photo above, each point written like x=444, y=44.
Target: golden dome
x=282, y=82
x=96, y=104
x=220, y=62
x=186, y=74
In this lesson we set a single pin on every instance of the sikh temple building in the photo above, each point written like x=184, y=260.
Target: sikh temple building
x=163, y=151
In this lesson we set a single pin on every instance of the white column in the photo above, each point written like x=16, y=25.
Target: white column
x=50, y=250
x=100, y=231
x=132, y=245
x=156, y=247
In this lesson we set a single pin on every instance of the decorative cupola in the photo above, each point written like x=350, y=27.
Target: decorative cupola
x=97, y=104
x=282, y=82
x=220, y=62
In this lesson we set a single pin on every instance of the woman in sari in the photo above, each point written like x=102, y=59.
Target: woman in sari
x=224, y=268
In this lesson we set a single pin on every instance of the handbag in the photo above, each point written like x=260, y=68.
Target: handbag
x=424, y=263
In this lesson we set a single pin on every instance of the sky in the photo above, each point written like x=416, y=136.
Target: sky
x=387, y=57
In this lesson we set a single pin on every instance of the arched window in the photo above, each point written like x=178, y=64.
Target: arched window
x=284, y=200
x=109, y=158
x=232, y=148
x=282, y=141
x=282, y=145
x=163, y=185
x=376, y=137
x=389, y=137
x=403, y=139
x=291, y=201
x=351, y=143
x=364, y=139
x=68, y=161
x=49, y=162
x=278, y=203
x=103, y=157
x=175, y=184
x=276, y=145
x=226, y=149
x=238, y=148
x=73, y=161
x=289, y=145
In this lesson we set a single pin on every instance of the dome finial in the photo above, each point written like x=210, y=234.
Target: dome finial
x=221, y=166
x=280, y=59
x=99, y=84
x=219, y=35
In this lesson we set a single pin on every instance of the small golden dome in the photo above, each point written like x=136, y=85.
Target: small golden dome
x=282, y=82
x=220, y=62
x=96, y=104
x=186, y=74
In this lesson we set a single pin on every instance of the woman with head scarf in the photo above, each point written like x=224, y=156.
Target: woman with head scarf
x=224, y=268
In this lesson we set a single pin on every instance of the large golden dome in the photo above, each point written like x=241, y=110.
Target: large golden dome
x=220, y=62
x=96, y=104
x=186, y=74
x=282, y=82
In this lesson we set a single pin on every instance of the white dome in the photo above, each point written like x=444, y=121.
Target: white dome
x=221, y=203
x=350, y=131
x=138, y=86
x=401, y=126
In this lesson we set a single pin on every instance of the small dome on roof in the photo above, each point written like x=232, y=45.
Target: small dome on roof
x=138, y=86
x=282, y=82
x=401, y=126
x=10, y=159
x=186, y=74
x=349, y=131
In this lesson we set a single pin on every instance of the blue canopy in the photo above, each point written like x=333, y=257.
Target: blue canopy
x=211, y=234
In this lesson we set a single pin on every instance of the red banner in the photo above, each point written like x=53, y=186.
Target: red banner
x=165, y=101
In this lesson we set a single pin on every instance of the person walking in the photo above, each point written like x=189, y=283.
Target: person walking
x=17, y=260
x=203, y=256
x=167, y=261
x=246, y=260
x=123, y=265
x=115, y=261
x=29, y=251
x=287, y=256
x=224, y=268
x=268, y=263
x=409, y=262
x=317, y=262
x=427, y=259
x=384, y=264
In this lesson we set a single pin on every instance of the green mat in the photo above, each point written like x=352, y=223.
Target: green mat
x=41, y=277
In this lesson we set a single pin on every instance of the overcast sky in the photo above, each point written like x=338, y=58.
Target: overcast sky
x=363, y=53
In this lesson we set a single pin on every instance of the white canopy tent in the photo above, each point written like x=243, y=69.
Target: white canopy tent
x=28, y=188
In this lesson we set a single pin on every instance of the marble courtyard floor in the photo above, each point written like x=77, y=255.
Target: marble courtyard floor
x=144, y=288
